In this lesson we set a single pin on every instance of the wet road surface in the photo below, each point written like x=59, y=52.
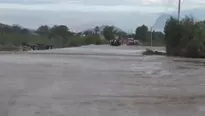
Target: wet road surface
x=100, y=81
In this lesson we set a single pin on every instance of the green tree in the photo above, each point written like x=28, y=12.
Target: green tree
x=44, y=29
x=185, y=37
x=121, y=34
x=5, y=28
x=141, y=33
x=24, y=31
x=97, y=29
x=87, y=32
x=61, y=32
x=157, y=35
x=16, y=28
x=109, y=32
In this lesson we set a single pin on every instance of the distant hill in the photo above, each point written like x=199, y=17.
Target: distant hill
x=198, y=14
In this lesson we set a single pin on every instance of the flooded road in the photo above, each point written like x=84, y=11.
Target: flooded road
x=100, y=81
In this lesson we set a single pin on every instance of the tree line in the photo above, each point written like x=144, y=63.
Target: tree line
x=58, y=35
x=185, y=37
x=61, y=36
x=143, y=34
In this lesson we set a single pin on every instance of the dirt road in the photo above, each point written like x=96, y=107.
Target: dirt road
x=100, y=81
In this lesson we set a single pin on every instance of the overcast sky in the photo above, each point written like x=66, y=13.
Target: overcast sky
x=78, y=13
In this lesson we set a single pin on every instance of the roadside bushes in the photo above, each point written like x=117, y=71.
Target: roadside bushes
x=86, y=40
x=12, y=37
x=13, y=41
x=9, y=47
x=18, y=39
x=185, y=38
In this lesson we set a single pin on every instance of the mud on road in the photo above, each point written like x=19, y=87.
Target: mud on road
x=100, y=81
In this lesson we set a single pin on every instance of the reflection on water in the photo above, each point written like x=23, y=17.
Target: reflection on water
x=101, y=81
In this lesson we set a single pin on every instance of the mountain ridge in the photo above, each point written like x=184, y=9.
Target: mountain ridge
x=197, y=14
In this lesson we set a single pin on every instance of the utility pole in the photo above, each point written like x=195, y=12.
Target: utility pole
x=179, y=9
x=151, y=37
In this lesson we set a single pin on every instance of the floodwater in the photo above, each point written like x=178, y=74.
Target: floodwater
x=100, y=81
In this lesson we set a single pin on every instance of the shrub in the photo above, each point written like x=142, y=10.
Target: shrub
x=185, y=37
x=9, y=47
x=87, y=40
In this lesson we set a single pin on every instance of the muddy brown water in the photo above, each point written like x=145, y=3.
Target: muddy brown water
x=100, y=81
